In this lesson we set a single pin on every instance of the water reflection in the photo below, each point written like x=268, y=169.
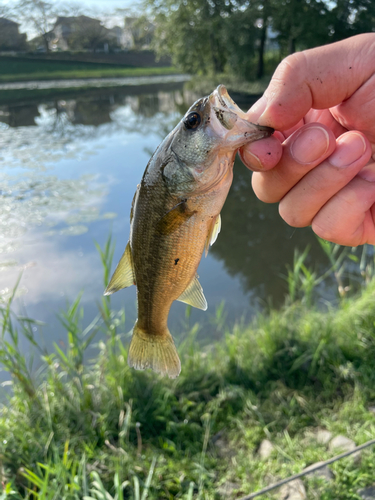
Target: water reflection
x=19, y=116
x=70, y=164
x=256, y=244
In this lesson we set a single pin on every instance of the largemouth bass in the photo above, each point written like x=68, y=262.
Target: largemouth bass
x=175, y=216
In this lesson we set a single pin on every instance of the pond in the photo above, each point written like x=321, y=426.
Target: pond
x=69, y=168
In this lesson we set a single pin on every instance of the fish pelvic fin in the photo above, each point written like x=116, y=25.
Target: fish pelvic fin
x=193, y=295
x=213, y=233
x=123, y=275
x=157, y=352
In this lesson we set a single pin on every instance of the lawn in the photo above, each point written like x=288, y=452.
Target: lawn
x=13, y=69
x=100, y=430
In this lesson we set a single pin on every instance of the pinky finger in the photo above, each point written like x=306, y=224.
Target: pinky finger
x=348, y=218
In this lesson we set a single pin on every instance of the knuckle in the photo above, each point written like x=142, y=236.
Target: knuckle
x=263, y=189
x=290, y=65
x=324, y=230
x=292, y=216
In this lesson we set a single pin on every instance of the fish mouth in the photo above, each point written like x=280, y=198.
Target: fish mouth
x=234, y=120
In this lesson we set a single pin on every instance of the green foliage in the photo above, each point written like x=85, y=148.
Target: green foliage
x=93, y=428
x=193, y=32
x=216, y=36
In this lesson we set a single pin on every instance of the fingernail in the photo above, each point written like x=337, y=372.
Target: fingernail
x=257, y=109
x=367, y=173
x=251, y=160
x=349, y=148
x=310, y=145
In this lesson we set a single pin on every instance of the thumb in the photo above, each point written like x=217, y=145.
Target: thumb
x=318, y=78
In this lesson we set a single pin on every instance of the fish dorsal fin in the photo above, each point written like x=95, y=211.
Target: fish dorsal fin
x=193, y=295
x=174, y=218
x=213, y=233
x=124, y=274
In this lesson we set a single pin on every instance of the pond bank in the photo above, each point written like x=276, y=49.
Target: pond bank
x=93, y=82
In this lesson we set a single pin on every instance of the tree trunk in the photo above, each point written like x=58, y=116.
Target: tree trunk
x=263, y=37
x=291, y=45
x=217, y=62
x=45, y=41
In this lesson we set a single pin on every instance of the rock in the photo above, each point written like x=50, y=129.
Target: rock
x=227, y=489
x=341, y=443
x=323, y=473
x=222, y=446
x=323, y=436
x=265, y=449
x=294, y=490
x=367, y=493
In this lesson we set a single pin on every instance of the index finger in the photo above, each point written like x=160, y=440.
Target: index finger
x=318, y=78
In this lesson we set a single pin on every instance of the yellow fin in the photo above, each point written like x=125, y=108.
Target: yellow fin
x=213, y=233
x=193, y=295
x=157, y=352
x=123, y=275
x=173, y=219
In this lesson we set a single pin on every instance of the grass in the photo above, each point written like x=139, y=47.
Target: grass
x=19, y=69
x=96, y=429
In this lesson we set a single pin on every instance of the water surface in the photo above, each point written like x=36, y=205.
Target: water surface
x=69, y=169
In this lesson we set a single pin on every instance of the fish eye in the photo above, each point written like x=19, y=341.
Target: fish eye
x=192, y=120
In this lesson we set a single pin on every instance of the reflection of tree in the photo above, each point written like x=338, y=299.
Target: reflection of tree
x=19, y=116
x=255, y=243
x=66, y=129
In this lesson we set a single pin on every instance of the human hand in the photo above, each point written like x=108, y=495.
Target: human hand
x=318, y=165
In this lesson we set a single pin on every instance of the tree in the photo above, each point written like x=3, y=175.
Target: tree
x=351, y=17
x=40, y=14
x=301, y=23
x=86, y=33
x=193, y=32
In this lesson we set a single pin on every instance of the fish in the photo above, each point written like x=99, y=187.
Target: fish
x=175, y=217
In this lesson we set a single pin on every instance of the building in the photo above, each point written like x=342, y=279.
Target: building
x=79, y=33
x=10, y=37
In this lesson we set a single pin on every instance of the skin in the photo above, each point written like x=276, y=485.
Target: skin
x=320, y=165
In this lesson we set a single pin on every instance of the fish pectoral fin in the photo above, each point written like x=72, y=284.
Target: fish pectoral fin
x=193, y=295
x=174, y=218
x=124, y=274
x=213, y=233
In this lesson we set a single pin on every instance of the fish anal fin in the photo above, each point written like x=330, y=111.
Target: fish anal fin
x=193, y=295
x=123, y=275
x=157, y=352
x=174, y=218
x=213, y=232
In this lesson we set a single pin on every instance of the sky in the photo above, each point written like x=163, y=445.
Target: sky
x=91, y=8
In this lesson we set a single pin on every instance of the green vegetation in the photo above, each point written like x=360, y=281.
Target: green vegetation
x=18, y=69
x=95, y=429
x=216, y=36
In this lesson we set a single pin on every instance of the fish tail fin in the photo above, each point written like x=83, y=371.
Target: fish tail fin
x=157, y=352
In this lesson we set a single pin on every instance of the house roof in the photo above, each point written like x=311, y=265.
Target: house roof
x=4, y=21
x=75, y=19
